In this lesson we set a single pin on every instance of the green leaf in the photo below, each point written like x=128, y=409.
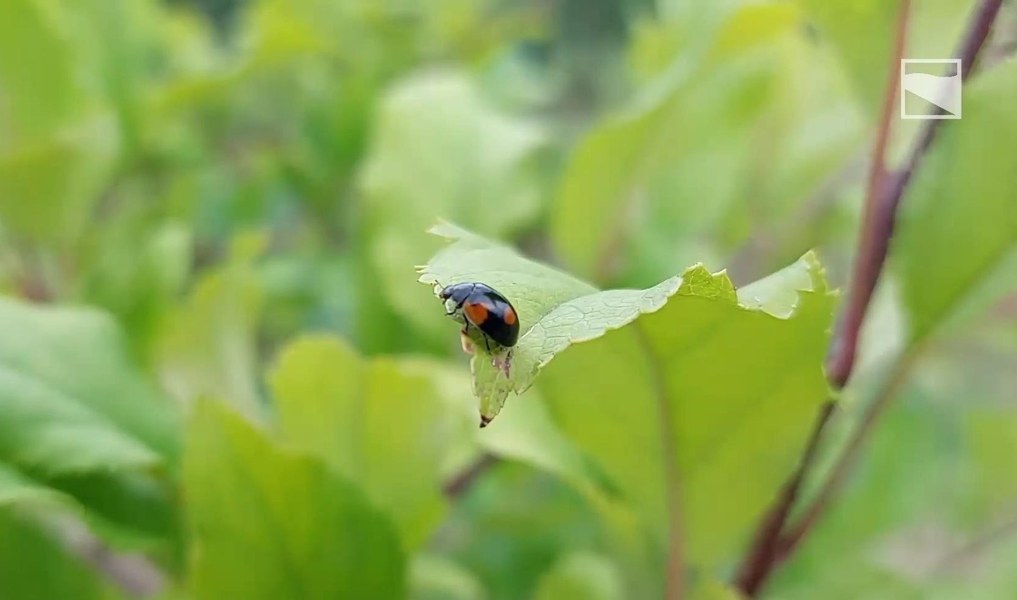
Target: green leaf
x=208, y=345
x=16, y=488
x=555, y=310
x=138, y=286
x=48, y=187
x=376, y=422
x=43, y=428
x=956, y=246
x=778, y=294
x=272, y=524
x=129, y=510
x=861, y=32
x=57, y=141
x=36, y=68
x=738, y=388
x=740, y=380
x=641, y=190
x=440, y=150
x=70, y=399
x=581, y=576
x=526, y=432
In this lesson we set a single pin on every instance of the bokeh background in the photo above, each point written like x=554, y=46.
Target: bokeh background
x=210, y=206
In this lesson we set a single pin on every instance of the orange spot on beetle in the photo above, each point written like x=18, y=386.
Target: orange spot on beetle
x=510, y=316
x=476, y=313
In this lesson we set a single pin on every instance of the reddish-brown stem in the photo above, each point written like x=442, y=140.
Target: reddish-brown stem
x=877, y=225
x=463, y=480
x=992, y=535
x=885, y=211
x=793, y=535
x=774, y=540
x=873, y=241
x=761, y=556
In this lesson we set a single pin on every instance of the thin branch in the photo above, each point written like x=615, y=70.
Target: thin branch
x=877, y=226
x=974, y=40
x=134, y=574
x=457, y=485
x=873, y=242
x=888, y=391
x=978, y=544
x=761, y=556
x=883, y=197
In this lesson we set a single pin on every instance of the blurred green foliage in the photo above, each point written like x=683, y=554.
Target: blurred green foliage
x=215, y=355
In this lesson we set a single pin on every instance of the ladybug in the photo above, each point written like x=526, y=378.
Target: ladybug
x=480, y=306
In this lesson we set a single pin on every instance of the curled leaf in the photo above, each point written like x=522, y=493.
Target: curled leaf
x=555, y=309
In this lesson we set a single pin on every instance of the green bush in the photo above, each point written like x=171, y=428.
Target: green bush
x=222, y=378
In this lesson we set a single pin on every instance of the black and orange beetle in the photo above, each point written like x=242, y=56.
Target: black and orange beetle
x=487, y=311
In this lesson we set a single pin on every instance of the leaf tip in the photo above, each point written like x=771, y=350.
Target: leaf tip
x=446, y=229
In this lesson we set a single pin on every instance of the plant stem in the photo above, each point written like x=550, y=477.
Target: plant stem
x=132, y=573
x=457, y=485
x=774, y=540
x=877, y=226
x=873, y=243
x=793, y=535
x=991, y=536
x=886, y=205
x=761, y=557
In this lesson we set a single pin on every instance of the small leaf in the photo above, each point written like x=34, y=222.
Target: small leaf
x=272, y=524
x=555, y=310
x=70, y=400
x=956, y=247
x=860, y=33
x=777, y=294
x=376, y=422
x=45, y=429
x=740, y=97
x=524, y=432
x=57, y=142
x=207, y=345
x=37, y=73
x=16, y=488
x=439, y=148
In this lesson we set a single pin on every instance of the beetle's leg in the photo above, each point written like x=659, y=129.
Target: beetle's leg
x=487, y=343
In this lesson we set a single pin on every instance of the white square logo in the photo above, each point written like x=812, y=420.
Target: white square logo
x=930, y=88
